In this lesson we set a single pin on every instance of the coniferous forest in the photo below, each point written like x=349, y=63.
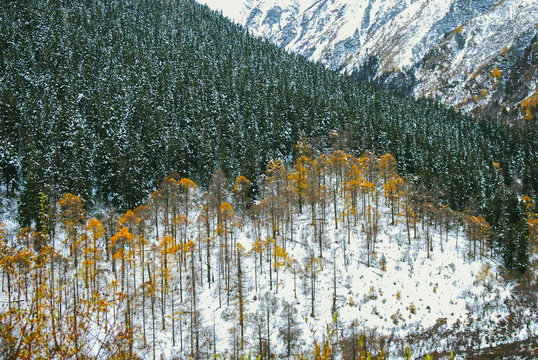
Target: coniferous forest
x=105, y=99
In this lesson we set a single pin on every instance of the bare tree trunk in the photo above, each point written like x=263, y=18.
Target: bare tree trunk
x=241, y=301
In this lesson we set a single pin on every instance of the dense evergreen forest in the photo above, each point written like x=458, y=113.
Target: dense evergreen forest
x=104, y=99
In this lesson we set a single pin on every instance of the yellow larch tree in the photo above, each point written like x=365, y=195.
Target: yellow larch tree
x=166, y=249
x=96, y=231
x=143, y=214
x=338, y=160
x=298, y=179
x=187, y=188
x=73, y=218
x=529, y=106
x=278, y=202
x=369, y=167
x=224, y=229
x=169, y=191
x=280, y=260
x=388, y=167
x=353, y=185
x=118, y=243
x=132, y=223
x=241, y=192
x=393, y=193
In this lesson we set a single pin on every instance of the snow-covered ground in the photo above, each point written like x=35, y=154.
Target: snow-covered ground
x=445, y=302
x=412, y=294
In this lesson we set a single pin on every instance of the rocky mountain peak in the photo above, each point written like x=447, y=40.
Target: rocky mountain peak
x=446, y=50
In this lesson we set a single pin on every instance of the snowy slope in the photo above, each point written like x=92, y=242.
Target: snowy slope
x=404, y=38
x=441, y=302
x=461, y=66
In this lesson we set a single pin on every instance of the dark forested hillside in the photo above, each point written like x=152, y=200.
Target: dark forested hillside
x=105, y=98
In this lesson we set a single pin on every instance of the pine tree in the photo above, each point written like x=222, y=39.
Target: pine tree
x=241, y=191
x=510, y=232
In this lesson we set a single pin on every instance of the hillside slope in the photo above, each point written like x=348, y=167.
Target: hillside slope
x=193, y=273
x=98, y=102
x=446, y=50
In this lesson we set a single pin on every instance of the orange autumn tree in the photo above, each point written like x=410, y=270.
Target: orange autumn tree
x=298, y=180
x=121, y=241
x=388, y=167
x=298, y=177
x=187, y=188
x=241, y=192
x=280, y=259
x=97, y=231
x=23, y=328
x=73, y=218
x=166, y=248
x=529, y=106
x=394, y=187
x=277, y=205
x=224, y=229
x=369, y=165
x=338, y=160
x=131, y=222
x=353, y=184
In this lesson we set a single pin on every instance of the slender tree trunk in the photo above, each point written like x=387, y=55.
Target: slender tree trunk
x=164, y=285
x=143, y=292
x=241, y=301
x=152, y=310
x=334, y=208
x=268, y=334
x=334, y=283
x=407, y=223
x=173, y=319
x=312, y=289
x=180, y=279
x=193, y=310
x=270, y=265
x=255, y=273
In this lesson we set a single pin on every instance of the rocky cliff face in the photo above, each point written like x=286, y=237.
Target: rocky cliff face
x=446, y=50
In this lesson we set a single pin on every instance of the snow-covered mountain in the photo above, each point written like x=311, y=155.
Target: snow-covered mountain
x=446, y=50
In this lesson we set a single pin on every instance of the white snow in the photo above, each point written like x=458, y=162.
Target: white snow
x=343, y=34
x=412, y=294
x=230, y=8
